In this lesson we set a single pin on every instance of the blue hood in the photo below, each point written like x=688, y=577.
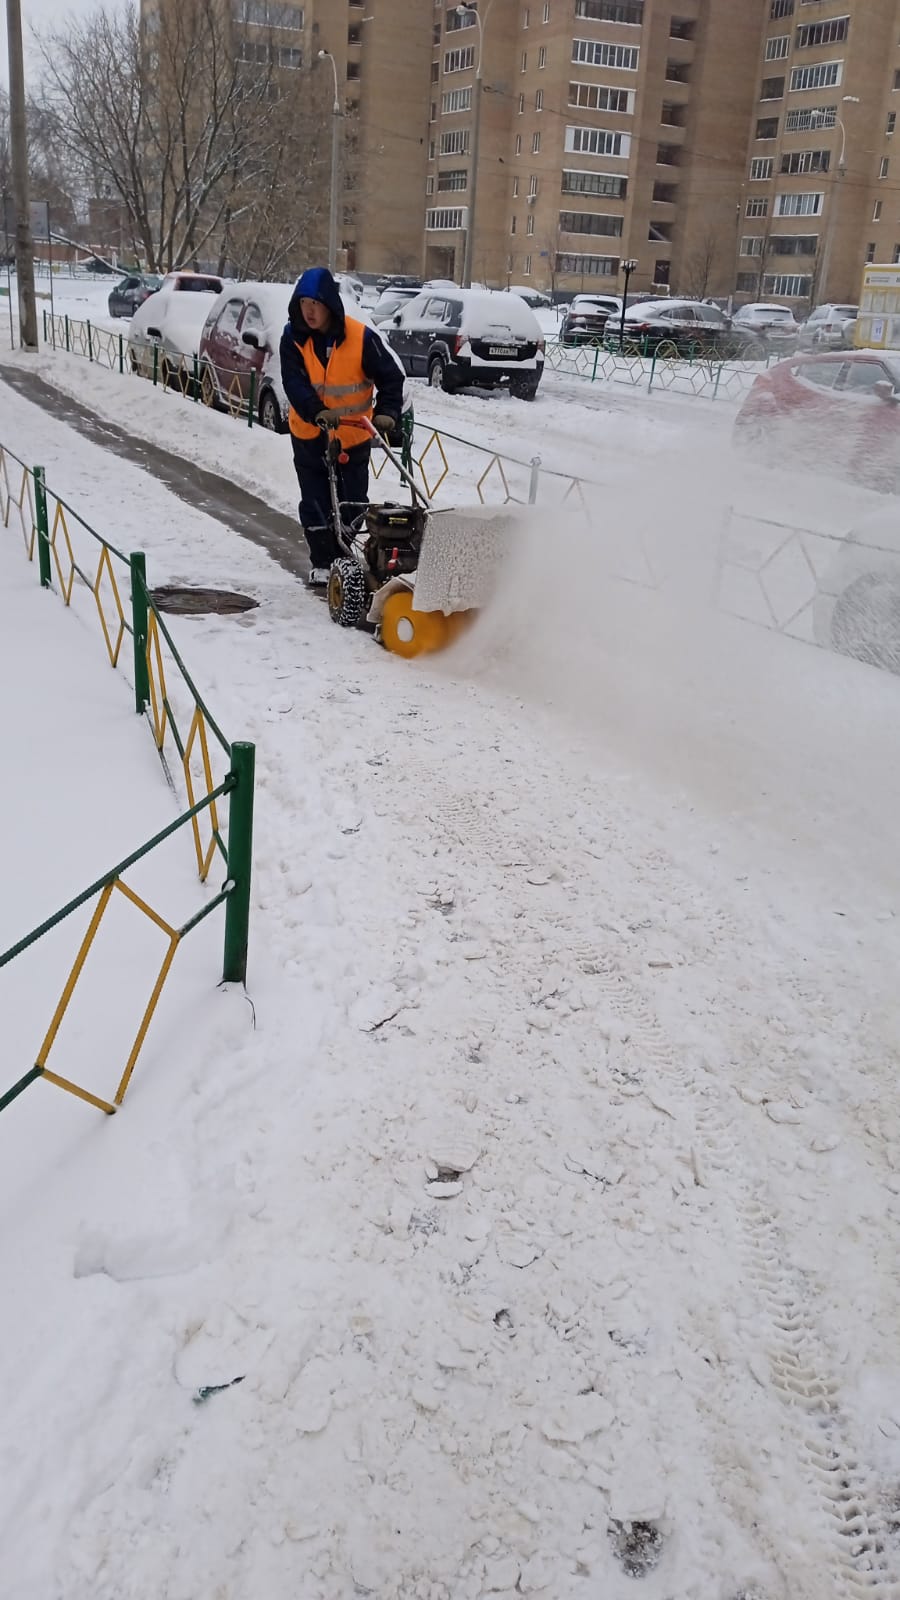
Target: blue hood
x=316, y=283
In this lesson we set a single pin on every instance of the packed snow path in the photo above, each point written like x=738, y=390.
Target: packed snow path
x=549, y=1212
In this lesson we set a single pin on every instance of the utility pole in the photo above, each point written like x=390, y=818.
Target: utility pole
x=326, y=55
x=469, y=7
x=28, y=334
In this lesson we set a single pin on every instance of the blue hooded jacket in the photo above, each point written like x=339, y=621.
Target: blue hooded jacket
x=378, y=364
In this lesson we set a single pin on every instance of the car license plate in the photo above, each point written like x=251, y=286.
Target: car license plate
x=502, y=350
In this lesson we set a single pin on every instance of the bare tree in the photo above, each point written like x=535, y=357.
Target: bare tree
x=700, y=265
x=204, y=140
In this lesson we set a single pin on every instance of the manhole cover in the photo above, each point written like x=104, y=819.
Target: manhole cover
x=189, y=602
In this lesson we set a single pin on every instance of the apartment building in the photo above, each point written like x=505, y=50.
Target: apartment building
x=819, y=197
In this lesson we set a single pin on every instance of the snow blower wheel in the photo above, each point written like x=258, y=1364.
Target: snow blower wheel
x=348, y=597
x=407, y=632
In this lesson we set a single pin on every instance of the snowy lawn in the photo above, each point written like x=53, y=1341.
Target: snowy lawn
x=546, y=1204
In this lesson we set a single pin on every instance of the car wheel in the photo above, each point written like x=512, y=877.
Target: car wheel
x=865, y=622
x=754, y=351
x=207, y=387
x=523, y=391
x=270, y=412
x=437, y=374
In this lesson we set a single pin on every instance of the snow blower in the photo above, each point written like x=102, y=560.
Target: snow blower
x=415, y=573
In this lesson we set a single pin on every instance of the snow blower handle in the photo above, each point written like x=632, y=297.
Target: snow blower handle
x=365, y=424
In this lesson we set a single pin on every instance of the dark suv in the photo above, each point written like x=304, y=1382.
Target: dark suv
x=684, y=328
x=470, y=337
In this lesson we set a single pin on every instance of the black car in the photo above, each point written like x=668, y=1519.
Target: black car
x=131, y=292
x=683, y=328
x=396, y=280
x=586, y=318
x=470, y=338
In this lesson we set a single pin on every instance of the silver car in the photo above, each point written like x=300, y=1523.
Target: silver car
x=826, y=327
x=775, y=325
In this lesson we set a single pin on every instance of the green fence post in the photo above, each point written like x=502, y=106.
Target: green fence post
x=652, y=369
x=718, y=379
x=138, y=563
x=155, y=364
x=596, y=359
x=43, y=527
x=121, y=354
x=252, y=406
x=90, y=346
x=68, y=341
x=240, y=858
x=196, y=379
x=45, y=326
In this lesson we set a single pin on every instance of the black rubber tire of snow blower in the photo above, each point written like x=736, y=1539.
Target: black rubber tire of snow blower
x=348, y=597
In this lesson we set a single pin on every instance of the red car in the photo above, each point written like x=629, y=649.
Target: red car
x=839, y=412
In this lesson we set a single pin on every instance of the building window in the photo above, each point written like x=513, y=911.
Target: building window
x=590, y=222
x=595, y=97
x=778, y=48
x=596, y=142
x=826, y=75
x=772, y=89
x=455, y=143
x=799, y=205
x=801, y=244
x=526, y=17
x=876, y=211
x=435, y=71
x=535, y=144
x=883, y=169
x=631, y=12
x=813, y=33
x=515, y=188
x=546, y=13
x=815, y=117
x=588, y=266
x=870, y=254
x=767, y=128
x=590, y=53
x=518, y=144
x=746, y=283
x=682, y=28
x=527, y=267
x=268, y=14
x=539, y=100
x=542, y=57
x=603, y=183
x=529, y=226
x=521, y=104
x=453, y=180
x=456, y=100
x=660, y=232
x=891, y=123
x=757, y=206
x=897, y=80
x=433, y=116
x=668, y=155
x=661, y=273
x=533, y=184
x=678, y=72
x=459, y=19
x=524, y=66
x=446, y=219
x=672, y=114
x=806, y=161
x=431, y=149
x=789, y=286
x=752, y=245
x=429, y=186
x=781, y=8
x=461, y=60
x=512, y=223
x=760, y=169
x=435, y=35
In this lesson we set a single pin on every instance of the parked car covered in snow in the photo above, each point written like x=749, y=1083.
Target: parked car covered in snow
x=391, y=301
x=239, y=350
x=470, y=337
x=829, y=327
x=776, y=325
x=131, y=292
x=838, y=412
x=171, y=322
x=534, y=298
x=687, y=328
x=586, y=318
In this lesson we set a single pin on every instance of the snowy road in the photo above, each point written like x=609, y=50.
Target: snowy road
x=549, y=1214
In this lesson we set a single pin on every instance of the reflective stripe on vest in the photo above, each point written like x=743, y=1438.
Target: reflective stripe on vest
x=341, y=385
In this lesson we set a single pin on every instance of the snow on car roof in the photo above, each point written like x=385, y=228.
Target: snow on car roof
x=761, y=305
x=496, y=308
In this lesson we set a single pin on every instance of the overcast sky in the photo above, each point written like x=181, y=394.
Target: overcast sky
x=38, y=14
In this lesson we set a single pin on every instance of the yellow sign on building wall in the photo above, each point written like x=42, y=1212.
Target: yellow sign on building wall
x=878, y=324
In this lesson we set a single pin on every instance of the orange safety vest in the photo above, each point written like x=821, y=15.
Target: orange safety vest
x=341, y=386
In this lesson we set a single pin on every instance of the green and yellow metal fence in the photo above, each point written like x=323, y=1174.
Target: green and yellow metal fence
x=71, y=554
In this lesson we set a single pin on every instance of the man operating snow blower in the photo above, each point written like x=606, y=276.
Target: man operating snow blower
x=333, y=365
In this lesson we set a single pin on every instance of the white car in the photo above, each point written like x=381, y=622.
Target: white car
x=239, y=350
x=776, y=325
x=826, y=327
x=171, y=322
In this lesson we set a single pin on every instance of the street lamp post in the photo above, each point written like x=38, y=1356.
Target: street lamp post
x=628, y=267
x=18, y=140
x=325, y=55
x=470, y=9
x=848, y=99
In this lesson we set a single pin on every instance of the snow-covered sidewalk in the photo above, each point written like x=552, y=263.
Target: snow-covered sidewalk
x=548, y=1212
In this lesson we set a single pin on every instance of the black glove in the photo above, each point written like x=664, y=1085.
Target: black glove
x=328, y=418
x=384, y=424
